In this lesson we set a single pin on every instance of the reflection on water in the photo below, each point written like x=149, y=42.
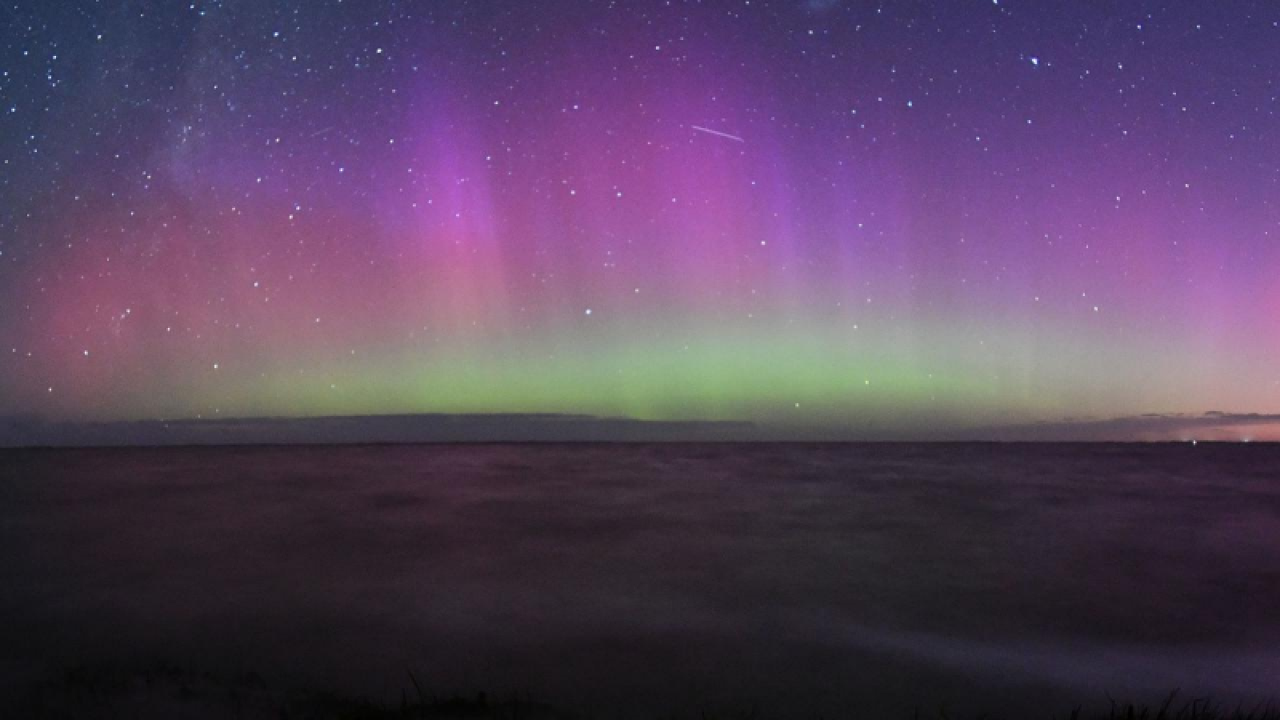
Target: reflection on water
x=812, y=577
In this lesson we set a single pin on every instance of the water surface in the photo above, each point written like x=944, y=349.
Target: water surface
x=813, y=578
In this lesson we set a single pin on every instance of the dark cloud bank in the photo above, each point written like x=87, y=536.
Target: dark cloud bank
x=30, y=431
x=368, y=429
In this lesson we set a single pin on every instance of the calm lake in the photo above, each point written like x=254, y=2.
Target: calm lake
x=618, y=579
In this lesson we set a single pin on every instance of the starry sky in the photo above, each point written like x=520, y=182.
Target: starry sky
x=909, y=216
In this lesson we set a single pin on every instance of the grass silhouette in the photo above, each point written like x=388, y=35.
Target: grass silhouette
x=168, y=691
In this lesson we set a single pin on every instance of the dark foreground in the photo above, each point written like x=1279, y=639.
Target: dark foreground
x=164, y=691
x=639, y=580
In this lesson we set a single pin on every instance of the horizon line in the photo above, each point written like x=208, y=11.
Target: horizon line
x=513, y=427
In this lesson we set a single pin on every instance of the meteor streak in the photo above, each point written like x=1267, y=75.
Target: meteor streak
x=717, y=132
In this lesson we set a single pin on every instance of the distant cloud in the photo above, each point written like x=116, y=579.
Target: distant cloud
x=1151, y=427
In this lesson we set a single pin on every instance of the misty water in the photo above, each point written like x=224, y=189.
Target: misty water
x=648, y=578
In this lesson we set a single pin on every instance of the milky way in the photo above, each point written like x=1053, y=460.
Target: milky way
x=917, y=215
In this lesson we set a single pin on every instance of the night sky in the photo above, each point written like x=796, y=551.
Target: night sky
x=814, y=213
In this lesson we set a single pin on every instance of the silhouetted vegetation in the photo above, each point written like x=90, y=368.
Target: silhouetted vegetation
x=167, y=691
